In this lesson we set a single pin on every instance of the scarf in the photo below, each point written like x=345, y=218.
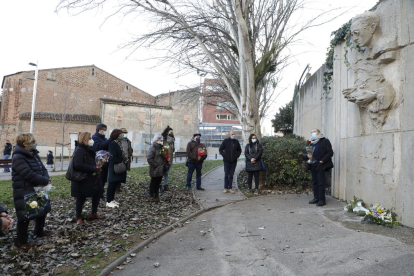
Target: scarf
x=316, y=139
x=124, y=155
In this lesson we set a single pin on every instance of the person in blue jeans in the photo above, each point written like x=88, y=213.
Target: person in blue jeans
x=7, y=153
x=196, y=154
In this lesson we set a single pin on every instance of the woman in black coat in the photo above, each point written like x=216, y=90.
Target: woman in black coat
x=28, y=172
x=84, y=161
x=157, y=166
x=253, y=153
x=117, y=157
x=49, y=158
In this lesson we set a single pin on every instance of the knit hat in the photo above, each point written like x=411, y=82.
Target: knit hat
x=124, y=130
x=158, y=138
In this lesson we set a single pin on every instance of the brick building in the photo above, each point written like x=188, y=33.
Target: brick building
x=217, y=114
x=68, y=101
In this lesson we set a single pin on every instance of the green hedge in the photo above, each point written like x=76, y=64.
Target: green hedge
x=285, y=165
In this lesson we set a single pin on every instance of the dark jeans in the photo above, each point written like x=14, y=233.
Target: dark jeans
x=155, y=186
x=318, y=180
x=23, y=225
x=250, y=179
x=104, y=177
x=197, y=167
x=168, y=167
x=81, y=200
x=229, y=169
x=110, y=192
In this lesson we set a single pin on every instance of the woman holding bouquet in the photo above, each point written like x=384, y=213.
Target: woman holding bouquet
x=84, y=161
x=28, y=172
x=118, y=160
x=157, y=163
x=168, y=143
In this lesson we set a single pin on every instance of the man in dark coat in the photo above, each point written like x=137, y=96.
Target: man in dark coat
x=7, y=153
x=195, y=160
x=230, y=150
x=101, y=143
x=322, y=153
x=28, y=172
x=157, y=166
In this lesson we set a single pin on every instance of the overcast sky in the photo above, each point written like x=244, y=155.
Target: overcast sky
x=31, y=31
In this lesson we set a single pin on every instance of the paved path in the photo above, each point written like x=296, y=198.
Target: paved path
x=275, y=235
x=213, y=183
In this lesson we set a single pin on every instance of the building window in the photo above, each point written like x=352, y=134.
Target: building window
x=226, y=117
x=93, y=71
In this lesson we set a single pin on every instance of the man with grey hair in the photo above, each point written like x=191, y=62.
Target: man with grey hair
x=322, y=153
x=230, y=150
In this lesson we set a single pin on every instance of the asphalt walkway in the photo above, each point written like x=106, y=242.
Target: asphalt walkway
x=274, y=235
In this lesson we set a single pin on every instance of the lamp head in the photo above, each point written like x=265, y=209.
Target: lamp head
x=32, y=64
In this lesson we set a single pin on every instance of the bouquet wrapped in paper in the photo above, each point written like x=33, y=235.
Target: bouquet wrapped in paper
x=309, y=150
x=101, y=158
x=202, y=151
x=166, y=153
x=37, y=204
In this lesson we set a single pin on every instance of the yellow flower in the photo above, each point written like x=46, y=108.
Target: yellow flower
x=33, y=204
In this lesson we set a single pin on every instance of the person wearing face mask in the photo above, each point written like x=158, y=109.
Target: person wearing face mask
x=127, y=149
x=195, y=161
x=118, y=156
x=253, y=153
x=101, y=143
x=28, y=172
x=168, y=143
x=157, y=166
x=322, y=153
x=84, y=161
x=230, y=150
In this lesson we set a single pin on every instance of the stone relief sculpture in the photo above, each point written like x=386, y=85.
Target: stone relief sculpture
x=371, y=90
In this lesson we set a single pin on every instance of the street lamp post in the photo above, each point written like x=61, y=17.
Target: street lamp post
x=200, y=106
x=34, y=96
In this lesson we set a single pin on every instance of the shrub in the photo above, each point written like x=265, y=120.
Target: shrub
x=285, y=163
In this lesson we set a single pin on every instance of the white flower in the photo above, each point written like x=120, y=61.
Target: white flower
x=33, y=204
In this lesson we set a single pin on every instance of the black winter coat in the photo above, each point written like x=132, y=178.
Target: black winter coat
x=100, y=142
x=116, y=158
x=7, y=149
x=84, y=161
x=253, y=150
x=322, y=151
x=28, y=171
x=156, y=160
x=230, y=150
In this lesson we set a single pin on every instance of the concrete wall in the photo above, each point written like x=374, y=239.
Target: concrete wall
x=373, y=160
x=144, y=123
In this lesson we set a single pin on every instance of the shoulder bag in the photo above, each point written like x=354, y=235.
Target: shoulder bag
x=74, y=175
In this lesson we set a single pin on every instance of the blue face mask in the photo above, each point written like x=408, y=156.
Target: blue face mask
x=313, y=135
x=104, y=133
x=198, y=139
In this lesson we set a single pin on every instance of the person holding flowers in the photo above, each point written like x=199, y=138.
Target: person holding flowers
x=91, y=186
x=157, y=162
x=28, y=172
x=168, y=143
x=321, y=155
x=196, y=154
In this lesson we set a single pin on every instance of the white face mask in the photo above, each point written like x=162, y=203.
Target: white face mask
x=160, y=143
x=313, y=135
x=104, y=133
x=90, y=143
x=254, y=140
x=233, y=136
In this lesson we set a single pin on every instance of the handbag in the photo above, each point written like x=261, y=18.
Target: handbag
x=120, y=168
x=263, y=164
x=74, y=175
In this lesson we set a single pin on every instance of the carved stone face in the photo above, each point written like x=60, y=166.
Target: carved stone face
x=363, y=28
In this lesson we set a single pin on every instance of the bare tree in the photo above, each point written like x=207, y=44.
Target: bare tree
x=240, y=42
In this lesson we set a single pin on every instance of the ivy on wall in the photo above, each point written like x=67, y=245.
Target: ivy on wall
x=343, y=34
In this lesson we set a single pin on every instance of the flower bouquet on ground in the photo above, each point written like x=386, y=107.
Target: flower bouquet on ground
x=102, y=158
x=166, y=153
x=356, y=202
x=37, y=204
x=309, y=150
x=380, y=215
